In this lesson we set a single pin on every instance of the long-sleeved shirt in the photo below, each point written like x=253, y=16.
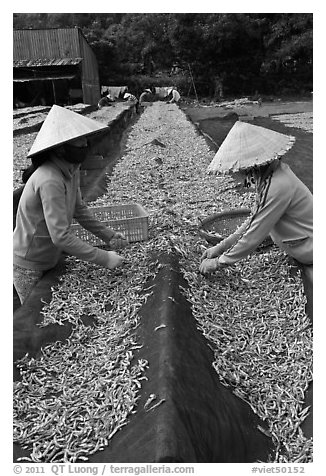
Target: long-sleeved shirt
x=285, y=212
x=104, y=102
x=146, y=97
x=175, y=96
x=50, y=200
x=130, y=97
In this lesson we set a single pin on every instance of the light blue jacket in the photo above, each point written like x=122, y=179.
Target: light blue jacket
x=50, y=200
x=285, y=212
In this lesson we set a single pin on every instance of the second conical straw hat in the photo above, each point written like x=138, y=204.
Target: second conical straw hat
x=62, y=125
x=247, y=145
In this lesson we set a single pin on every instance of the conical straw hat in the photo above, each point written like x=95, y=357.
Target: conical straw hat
x=62, y=125
x=247, y=145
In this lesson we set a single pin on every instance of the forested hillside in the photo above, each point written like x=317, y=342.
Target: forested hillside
x=211, y=54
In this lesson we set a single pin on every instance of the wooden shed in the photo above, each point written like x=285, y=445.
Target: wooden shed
x=54, y=66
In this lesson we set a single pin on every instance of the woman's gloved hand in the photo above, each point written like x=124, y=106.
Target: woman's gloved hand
x=212, y=252
x=210, y=265
x=118, y=240
x=113, y=260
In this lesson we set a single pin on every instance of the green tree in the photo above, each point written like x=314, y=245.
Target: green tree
x=250, y=51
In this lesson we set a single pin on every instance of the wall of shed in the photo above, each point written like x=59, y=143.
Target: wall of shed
x=61, y=43
x=90, y=75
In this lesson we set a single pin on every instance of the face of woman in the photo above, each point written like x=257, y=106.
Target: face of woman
x=249, y=178
x=76, y=150
x=79, y=142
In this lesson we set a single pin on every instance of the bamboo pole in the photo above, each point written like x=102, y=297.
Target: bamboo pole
x=54, y=96
x=193, y=82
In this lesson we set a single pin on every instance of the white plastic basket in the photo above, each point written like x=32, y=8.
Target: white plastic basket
x=130, y=219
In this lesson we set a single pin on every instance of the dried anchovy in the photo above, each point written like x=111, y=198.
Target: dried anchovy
x=156, y=405
x=161, y=326
x=150, y=399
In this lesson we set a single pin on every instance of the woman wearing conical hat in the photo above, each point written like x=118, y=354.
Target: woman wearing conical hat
x=51, y=199
x=146, y=96
x=105, y=101
x=284, y=205
x=173, y=95
x=129, y=97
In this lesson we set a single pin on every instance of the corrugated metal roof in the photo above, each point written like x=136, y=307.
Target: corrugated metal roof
x=46, y=44
x=28, y=63
x=41, y=78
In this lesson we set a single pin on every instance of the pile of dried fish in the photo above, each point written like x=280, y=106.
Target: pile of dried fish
x=236, y=103
x=21, y=146
x=77, y=394
x=252, y=315
x=176, y=191
x=303, y=120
